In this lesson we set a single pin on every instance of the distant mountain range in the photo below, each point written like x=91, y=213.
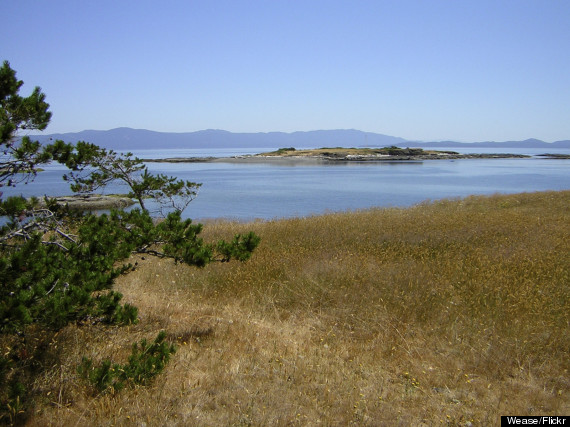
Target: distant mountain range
x=140, y=139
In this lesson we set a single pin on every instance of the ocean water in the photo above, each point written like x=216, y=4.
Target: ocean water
x=268, y=191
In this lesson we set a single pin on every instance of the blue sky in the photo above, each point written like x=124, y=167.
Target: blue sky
x=422, y=70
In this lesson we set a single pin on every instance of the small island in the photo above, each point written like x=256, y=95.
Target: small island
x=381, y=154
x=340, y=154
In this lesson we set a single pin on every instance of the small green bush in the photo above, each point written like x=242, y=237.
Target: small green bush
x=146, y=361
x=284, y=150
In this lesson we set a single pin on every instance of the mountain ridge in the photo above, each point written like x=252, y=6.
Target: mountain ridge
x=124, y=138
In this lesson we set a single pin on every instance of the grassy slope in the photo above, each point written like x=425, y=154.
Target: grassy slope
x=450, y=312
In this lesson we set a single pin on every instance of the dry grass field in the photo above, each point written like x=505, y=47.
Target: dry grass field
x=447, y=313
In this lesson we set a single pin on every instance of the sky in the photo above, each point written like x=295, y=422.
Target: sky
x=430, y=70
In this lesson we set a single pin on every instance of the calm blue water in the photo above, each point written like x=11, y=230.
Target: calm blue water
x=249, y=191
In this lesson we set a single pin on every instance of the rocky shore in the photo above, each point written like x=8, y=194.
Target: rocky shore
x=182, y=160
x=94, y=202
x=554, y=156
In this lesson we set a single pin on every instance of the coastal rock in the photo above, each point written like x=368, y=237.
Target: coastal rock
x=93, y=202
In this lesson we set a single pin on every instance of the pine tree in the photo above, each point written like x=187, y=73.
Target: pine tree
x=20, y=161
x=57, y=266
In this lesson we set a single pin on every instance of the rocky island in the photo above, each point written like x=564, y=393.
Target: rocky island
x=340, y=154
x=381, y=154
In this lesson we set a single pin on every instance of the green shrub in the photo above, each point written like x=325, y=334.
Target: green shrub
x=146, y=361
x=284, y=150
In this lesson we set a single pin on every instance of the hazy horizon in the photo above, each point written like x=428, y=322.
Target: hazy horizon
x=48, y=132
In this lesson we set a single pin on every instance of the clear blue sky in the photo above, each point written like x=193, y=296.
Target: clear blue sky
x=467, y=70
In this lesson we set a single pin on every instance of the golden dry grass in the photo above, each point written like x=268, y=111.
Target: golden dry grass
x=452, y=312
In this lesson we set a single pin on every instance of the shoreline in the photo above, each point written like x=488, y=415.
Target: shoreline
x=92, y=202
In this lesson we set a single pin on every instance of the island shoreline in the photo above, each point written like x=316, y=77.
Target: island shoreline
x=259, y=158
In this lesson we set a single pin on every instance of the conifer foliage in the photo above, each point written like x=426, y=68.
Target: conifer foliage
x=92, y=167
x=146, y=361
x=19, y=161
x=57, y=266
